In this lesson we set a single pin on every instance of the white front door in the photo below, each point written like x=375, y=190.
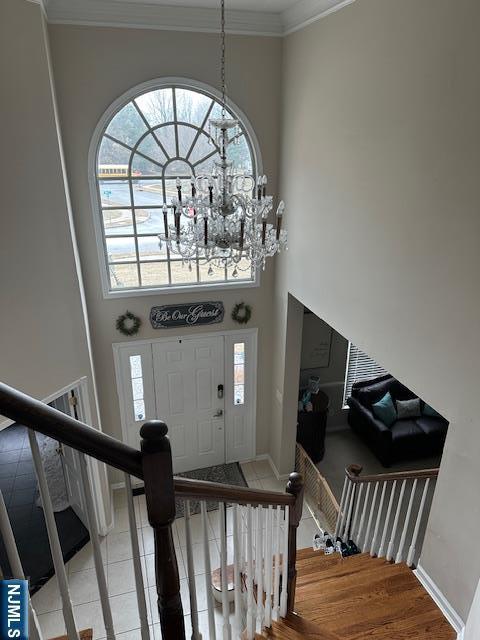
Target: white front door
x=189, y=393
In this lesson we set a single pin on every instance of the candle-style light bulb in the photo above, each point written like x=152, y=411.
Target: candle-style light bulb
x=264, y=182
x=280, y=210
x=165, y=219
x=259, y=187
x=179, y=189
x=192, y=183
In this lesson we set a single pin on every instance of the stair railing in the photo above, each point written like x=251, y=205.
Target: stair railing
x=386, y=514
x=257, y=532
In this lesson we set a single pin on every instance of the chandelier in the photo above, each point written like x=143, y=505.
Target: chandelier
x=223, y=218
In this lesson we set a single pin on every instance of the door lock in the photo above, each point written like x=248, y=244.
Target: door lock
x=219, y=414
x=220, y=391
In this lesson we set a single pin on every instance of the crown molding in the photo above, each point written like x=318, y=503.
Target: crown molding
x=305, y=12
x=152, y=16
x=148, y=15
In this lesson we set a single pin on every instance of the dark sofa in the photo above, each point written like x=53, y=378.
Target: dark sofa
x=406, y=439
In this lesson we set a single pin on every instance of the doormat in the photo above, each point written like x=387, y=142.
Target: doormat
x=230, y=473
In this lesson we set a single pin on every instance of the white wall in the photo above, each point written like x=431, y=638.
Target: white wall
x=380, y=138
x=92, y=67
x=43, y=339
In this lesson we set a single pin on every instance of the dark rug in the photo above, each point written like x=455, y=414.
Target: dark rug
x=230, y=473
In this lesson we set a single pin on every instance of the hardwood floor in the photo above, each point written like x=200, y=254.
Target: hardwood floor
x=359, y=598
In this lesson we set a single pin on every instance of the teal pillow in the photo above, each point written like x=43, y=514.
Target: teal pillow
x=429, y=411
x=385, y=410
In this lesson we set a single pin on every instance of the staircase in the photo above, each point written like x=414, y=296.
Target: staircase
x=359, y=598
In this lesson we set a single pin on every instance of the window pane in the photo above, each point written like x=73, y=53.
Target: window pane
x=179, y=168
x=149, y=248
x=111, y=153
x=156, y=106
x=207, y=165
x=127, y=126
x=117, y=222
x=238, y=374
x=154, y=274
x=136, y=366
x=181, y=274
x=147, y=193
x=123, y=276
x=203, y=147
x=137, y=388
x=239, y=353
x=114, y=193
x=139, y=410
x=218, y=273
x=192, y=106
x=239, y=394
x=239, y=154
x=166, y=135
x=244, y=271
x=150, y=147
x=186, y=136
x=143, y=167
x=149, y=220
x=121, y=249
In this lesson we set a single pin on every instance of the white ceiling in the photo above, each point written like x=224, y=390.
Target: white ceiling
x=254, y=17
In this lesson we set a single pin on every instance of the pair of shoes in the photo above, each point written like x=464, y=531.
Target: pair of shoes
x=352, y=548
x=318, y=542
x=346, y=549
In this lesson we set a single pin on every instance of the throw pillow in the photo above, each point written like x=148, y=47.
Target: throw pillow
x=384, y=410
x=429, y=411
x=408, y=408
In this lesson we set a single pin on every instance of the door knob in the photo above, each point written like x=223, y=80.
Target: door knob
x=219, y=414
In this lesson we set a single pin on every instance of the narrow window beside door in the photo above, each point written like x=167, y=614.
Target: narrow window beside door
x=136, y=377
x=239, y=373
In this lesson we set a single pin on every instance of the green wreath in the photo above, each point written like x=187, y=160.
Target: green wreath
x=241, y=313
x=128, y=324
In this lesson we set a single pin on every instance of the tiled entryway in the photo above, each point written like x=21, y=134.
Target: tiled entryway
x=117, y=554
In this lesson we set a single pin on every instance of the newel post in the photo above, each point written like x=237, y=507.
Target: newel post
x=160, y=499
x=295, y=488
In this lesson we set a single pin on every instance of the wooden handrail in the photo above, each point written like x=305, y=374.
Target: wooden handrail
x=38, y=416
x=353, y=472
x=187, y=489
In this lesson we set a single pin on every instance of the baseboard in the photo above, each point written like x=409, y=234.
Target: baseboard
x=279, y=476
x=441, y=601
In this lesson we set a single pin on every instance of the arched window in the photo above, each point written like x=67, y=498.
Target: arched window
x=159, y=135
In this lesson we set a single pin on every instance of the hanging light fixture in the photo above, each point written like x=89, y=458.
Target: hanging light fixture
x=224, y=218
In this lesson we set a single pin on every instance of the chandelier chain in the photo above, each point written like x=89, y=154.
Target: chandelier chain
x=222, y=71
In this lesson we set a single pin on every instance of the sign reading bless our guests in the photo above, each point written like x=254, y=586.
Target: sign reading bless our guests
x=186, y=315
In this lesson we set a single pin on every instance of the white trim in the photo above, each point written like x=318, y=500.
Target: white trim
x=306, y=12
x=102, y=124
x=441, y=601
x=151, y=15
x=276, y=473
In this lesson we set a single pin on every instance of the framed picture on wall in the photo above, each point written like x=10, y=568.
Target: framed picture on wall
x=316, y=343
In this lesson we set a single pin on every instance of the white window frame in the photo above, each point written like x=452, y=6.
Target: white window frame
x=119, y=103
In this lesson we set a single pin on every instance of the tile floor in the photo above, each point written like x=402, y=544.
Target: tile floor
x=117, y=556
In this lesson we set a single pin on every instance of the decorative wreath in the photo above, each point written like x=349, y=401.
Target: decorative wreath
x=241, y=313
x=128, y=324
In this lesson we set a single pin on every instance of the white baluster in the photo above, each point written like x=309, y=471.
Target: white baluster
x=55, y=548
x=345, y=508
x=250, y=612
x=259, y=567
x=268, y=566
x=395, y=522
x=364, y=513
x=208, y=573
x=97, y=554
x=276, y=582
x=370, y=518
x=377, y=523
x=137, y=565
x=237, y=558
x=348, y=522
x=381, y=550
x=411, y=551
x=8, y=538
x=355, y=515
x=196, y=635
x=283, y=593
x=340, y=510
x=406, y=523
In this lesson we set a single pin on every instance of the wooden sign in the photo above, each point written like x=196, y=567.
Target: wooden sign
x=191, y=314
